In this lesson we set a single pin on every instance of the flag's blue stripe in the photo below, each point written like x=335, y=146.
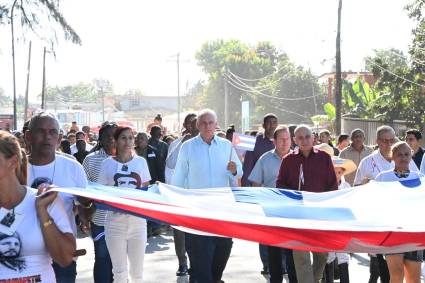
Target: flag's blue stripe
x=411, y=183
x=289, y=204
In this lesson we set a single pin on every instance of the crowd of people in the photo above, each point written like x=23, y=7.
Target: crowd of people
x=38, y=228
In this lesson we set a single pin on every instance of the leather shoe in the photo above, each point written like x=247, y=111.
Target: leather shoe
x=182, y=271
x=265, y=271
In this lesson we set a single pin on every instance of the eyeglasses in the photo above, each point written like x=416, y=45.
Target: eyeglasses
x=387, y=141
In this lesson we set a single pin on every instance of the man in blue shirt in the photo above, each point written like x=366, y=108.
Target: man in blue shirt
x=207, y=161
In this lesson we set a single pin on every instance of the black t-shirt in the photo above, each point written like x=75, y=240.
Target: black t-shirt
x=80, y=155
x=417, y=157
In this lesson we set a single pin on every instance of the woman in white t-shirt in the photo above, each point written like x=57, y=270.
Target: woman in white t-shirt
x=125, y=234
x=406, y=264
x=33, y=230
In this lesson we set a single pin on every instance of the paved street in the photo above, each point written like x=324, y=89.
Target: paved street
x=243, y=267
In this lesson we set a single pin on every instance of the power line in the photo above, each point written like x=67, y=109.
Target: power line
x=394, y=74
x=403, y=57
x=247, y=87
x=284, y=110
x=234, y=84
x=259, y=79
x=244, y=84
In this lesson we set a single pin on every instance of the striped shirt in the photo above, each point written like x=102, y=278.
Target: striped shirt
x=92, y=165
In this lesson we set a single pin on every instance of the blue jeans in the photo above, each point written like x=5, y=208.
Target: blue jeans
x=102, y=271
x=208, y=257
x=65, y=274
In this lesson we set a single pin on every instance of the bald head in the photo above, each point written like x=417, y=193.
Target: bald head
x=304, y=138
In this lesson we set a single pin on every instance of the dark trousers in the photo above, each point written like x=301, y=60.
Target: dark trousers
x=102, y=271
x=276, y=265
x=264, y=255
x=180, y=247
x=65, y=274
x=378, y=268
x=208, y=257
x=343, y=274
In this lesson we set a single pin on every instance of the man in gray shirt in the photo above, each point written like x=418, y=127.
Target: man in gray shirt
x=264, y=174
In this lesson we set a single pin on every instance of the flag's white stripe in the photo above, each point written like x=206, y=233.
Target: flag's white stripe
x=382, y=218
x=247, y=139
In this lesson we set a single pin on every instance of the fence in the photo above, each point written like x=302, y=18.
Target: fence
x=369, y=126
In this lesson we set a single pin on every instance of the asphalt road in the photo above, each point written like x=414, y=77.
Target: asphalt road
x=243, y=267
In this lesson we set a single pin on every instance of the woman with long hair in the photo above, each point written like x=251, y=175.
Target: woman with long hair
x=33, y=230
x=125, y=234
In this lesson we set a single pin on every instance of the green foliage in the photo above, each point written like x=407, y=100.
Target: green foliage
x=392, y=58
x=400, y=85
x=81, y=92
x=330, y=110
x=260, y=74
x=5, y=101
x=358, y=99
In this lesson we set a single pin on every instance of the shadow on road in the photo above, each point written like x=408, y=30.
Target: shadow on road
x=183, y=279
x=361, y=260
x=158, y=243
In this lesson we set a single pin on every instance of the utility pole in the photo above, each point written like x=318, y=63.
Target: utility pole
x=103, y=103
x=314, y=98
x=178, y=61
x=15, y=116
x=178, y=89
x=338, y=78
x=44, y=80
x=226, y=99
x=28, y=83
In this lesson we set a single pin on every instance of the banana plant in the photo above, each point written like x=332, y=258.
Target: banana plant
x=358, y=98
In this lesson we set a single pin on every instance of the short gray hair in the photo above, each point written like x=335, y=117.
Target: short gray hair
x=205, y=112
x=355, y=131
x=301, y=127
x=384, y=129
x=40, y=116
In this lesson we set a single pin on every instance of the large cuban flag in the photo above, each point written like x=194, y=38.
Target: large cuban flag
x=375, y=218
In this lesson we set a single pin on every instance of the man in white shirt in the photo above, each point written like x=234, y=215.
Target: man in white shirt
x=380, y=160
x=207, y=161
x=371, y=166
x=45, y=166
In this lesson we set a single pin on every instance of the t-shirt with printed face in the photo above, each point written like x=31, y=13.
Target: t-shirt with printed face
x=129, y=175
x=62, y=172
x=23, y=255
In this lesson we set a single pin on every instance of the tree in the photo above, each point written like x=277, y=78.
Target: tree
x=260, y=74
x=392, y=58
x=42, y=17
x=400, y=84
x=5, y=101
x=82, y=92
x=358, y=99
